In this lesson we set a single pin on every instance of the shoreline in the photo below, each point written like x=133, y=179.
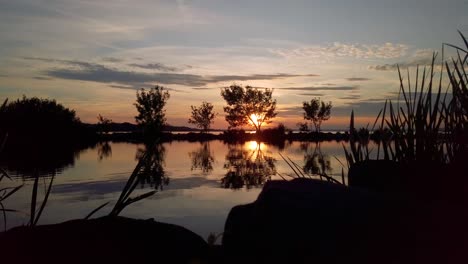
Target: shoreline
x=227, y=136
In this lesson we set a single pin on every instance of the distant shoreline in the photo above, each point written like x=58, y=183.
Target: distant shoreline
x=228, y=136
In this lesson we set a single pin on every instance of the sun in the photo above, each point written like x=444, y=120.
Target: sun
x=254, y=119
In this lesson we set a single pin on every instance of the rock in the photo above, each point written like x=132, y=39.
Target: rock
x=423, y=181
x=377, y=175
x=310, y=221
x=302, y=221
x=105, y=240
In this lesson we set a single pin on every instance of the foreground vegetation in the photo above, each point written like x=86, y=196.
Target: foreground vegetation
x=428, y=123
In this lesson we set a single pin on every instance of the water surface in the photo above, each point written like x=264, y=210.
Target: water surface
x=197, y=183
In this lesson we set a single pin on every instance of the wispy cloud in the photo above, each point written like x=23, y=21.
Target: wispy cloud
x=339, y=50
x=420, y=58
x=312, y=94
x=358, y=79
x=111, y=59
x=88, y=71
x=322, y=88
x=42, y=78
x=121, y=86
x=361, y=108
x=201, y=88
x=351, y=97
x=291, y=111
x=155, y=66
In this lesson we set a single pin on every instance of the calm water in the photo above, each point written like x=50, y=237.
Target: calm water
x=201, y=182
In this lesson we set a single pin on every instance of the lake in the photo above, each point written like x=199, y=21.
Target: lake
x=197, y=183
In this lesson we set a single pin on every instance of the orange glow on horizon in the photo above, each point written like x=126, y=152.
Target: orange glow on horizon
x=254, y=119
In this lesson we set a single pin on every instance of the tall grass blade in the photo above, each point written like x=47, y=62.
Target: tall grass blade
x=464, y=39
x=12, y=191
x=4, y=217
x=44, y=202
x=342, y=176
x=456, y=47
x=95, y=210
x=138, y=198
x=291, y=166
x=298, y=168
x=34, y=199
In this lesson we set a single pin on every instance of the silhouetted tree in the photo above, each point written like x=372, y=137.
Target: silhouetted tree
x=44, y=137
x=202, y=116
x=3, y=134
x=150, y=106
x=317, y=112
x=104, y=150
x=248, y=105
x=38, y=119
x=104, y=124
x=152, y=171
x=316, y=163
x=202, y=158
x=303, y=126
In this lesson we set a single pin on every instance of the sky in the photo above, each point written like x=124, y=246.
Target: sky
x=92, y=55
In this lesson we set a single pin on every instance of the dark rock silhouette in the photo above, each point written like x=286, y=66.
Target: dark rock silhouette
x=103, y=240
x=311, y=221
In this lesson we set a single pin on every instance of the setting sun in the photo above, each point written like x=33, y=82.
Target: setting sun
x=254, y=119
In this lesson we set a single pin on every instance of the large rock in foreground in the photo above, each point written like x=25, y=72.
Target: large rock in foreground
x=102, y=240
x=310, y=221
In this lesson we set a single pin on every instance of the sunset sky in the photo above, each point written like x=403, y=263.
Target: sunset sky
x=92, y=55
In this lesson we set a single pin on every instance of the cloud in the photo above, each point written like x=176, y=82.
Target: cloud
x=201, y=88
x=155, y=66
x=122, y=87
x=420, y=58
x=361, y=108
x=379, y=100
x=40, y=59
x=87, y=71
x=351, y=97
x=42, y=78
x=322, y=88
x=341, y=50
x=312, y=94
x=111, y=59
x=291, y=111
x=385, y=67
x=358, y=79
x=77, y=63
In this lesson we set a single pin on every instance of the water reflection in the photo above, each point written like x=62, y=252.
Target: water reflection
x=248, y=165
x=202, y=158
x=41, y=158
x=193, y=200
x=315, y=162
x=104, y=150
x=152, y=172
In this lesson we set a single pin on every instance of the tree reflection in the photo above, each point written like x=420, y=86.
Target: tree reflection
x=152, y=172
x=202, y=158
x=315, y=162
x=44, y=158
x=247, y=166
x=104, y=150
